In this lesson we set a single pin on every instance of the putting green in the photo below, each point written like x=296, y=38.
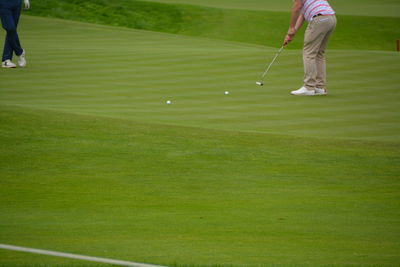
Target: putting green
x=93, y=160
x=88, y=69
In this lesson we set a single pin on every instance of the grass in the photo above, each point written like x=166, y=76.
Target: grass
x=58, y=265
x=93, y=162
x=163, y=194
x=255, y=27
x=383, y=8
x=144, y=70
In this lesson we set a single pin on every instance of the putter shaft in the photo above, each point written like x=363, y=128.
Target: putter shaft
x=270, y=65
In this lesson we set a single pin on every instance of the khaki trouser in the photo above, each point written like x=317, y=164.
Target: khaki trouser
x=315, y=41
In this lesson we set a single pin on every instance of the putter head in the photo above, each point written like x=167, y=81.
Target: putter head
x=260, y=83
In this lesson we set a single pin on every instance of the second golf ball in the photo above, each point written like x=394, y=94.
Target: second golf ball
x=169, y=102
x=227, y=92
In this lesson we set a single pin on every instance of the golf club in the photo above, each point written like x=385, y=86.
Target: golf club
x=261, y=83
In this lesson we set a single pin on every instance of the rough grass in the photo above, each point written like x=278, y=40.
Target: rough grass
x=383, y=8
x=256, y=27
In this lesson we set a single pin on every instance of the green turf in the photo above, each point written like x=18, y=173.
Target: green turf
x=385, y=8
x=143, y=70
x=255, y=27
x=174, y=195
x=93, y=162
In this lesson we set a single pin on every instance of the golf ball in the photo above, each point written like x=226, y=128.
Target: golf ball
x=169, y=102
x=227, y=92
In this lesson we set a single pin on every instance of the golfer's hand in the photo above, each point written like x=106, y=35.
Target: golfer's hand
x=289, y=36
x=27, y=4
x=288, y=39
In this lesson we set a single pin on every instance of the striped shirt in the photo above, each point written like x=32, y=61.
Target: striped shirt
x=315, y=7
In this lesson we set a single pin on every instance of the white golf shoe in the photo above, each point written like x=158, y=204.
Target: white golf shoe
x=320, y=91
x=8, y=64
x=303, y=91
x=22, y=60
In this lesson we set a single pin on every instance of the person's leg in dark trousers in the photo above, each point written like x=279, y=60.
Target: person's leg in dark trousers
x=10, y=13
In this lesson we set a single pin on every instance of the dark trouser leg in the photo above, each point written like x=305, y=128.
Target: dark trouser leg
x=9, y=20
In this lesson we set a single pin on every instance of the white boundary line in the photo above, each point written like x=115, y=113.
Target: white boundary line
x=76, y=256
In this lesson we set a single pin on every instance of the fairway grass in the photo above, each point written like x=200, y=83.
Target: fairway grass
x=175, y=195
x=93, y=162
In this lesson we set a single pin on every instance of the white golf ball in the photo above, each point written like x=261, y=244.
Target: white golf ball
x=169, y=102
x=227, y=92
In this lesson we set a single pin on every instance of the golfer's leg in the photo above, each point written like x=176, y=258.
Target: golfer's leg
x=321, y=70
x=16, y=13
x=7, y=51
x=312, y=43
x=321, y=62
x=7, y=22
x=12, y=40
